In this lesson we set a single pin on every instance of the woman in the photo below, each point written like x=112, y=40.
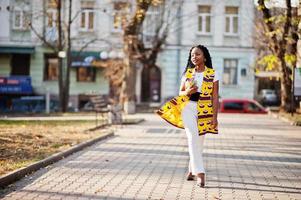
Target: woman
x=196, y=108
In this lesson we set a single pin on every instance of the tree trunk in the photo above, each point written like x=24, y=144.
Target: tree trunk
x=128, y=88
x=286, y=85
x=60, y=48
x=130, y=43
x=279, y=47
x=69, y=60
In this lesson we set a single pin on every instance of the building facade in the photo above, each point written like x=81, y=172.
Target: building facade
x=225, y=27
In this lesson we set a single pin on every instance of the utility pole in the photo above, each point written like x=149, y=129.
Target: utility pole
x=298, y=64
x=299, y=40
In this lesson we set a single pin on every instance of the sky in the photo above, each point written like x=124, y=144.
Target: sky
x=281, y=3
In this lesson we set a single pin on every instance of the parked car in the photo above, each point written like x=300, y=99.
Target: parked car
x=241, y=106
x=88, y=107
x=268, y=97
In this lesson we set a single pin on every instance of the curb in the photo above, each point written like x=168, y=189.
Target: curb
x=12, y=177
x=132, y=121
x=293, y=123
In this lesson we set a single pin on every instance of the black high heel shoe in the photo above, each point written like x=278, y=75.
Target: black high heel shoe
x=201, y=180
x=190, y=177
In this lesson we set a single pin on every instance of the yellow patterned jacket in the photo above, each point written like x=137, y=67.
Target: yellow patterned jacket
x=171, y=110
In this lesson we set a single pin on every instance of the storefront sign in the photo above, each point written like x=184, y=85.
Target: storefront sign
x=15, y=85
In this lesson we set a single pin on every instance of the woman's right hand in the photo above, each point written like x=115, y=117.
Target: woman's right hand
x=190, y=90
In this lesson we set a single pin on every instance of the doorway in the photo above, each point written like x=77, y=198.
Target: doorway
x=151, y=84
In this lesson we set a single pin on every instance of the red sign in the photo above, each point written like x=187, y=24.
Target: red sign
x=2, y=80
x=13, y=82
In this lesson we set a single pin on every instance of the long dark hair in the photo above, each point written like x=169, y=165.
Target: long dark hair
x=208, y=62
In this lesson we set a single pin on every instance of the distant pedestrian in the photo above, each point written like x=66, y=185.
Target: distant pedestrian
x=196, y=107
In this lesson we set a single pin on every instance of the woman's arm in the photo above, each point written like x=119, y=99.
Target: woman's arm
x=182, y=88
x=215, y=103
x=187, y=90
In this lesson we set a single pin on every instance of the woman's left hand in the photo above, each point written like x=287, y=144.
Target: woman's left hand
x=214, y=123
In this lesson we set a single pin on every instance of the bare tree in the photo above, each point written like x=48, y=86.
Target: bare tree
x=61, y=41
x=130, y=42
x=113, y=72
x=166, y=15
x=135, y=49
x=60, y=44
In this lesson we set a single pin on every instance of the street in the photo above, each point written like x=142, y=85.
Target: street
x=252, y=157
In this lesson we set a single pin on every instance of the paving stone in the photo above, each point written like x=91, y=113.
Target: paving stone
x=253, y=157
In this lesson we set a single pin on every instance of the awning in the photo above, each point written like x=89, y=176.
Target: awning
x=83, y=59
x=17, y=49
x=88, y=59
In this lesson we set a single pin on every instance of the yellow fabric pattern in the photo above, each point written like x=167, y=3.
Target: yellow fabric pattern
x=171, y=110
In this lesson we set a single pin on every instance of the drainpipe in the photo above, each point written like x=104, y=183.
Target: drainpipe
x=179, y=38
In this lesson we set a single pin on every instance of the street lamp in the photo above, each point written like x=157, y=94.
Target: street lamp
x=62, y=54
x=103, y=55
x=120, y=54
x=113, y=54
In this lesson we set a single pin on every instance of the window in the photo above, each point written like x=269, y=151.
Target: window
x=151, y=21
x=51, y=67
x=21, y=19
x=86, y=74
x=51, y=13
x=234, y=106
x=231, y=26
x=51, y=33
x=87, y=20
x=204, y=19
x=230, y=72
x=51, y=18
x=253, y=107
x=150, y=24
x=20, y=64
x=243, y=72
x=121, y=10
x=87, y=16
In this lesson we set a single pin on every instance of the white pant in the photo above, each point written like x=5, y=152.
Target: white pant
x=195, y=141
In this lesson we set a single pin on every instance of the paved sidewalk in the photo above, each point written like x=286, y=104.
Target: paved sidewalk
x=253, y=157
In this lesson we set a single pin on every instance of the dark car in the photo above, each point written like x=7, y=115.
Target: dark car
x=241, y=106
x=268, y=97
